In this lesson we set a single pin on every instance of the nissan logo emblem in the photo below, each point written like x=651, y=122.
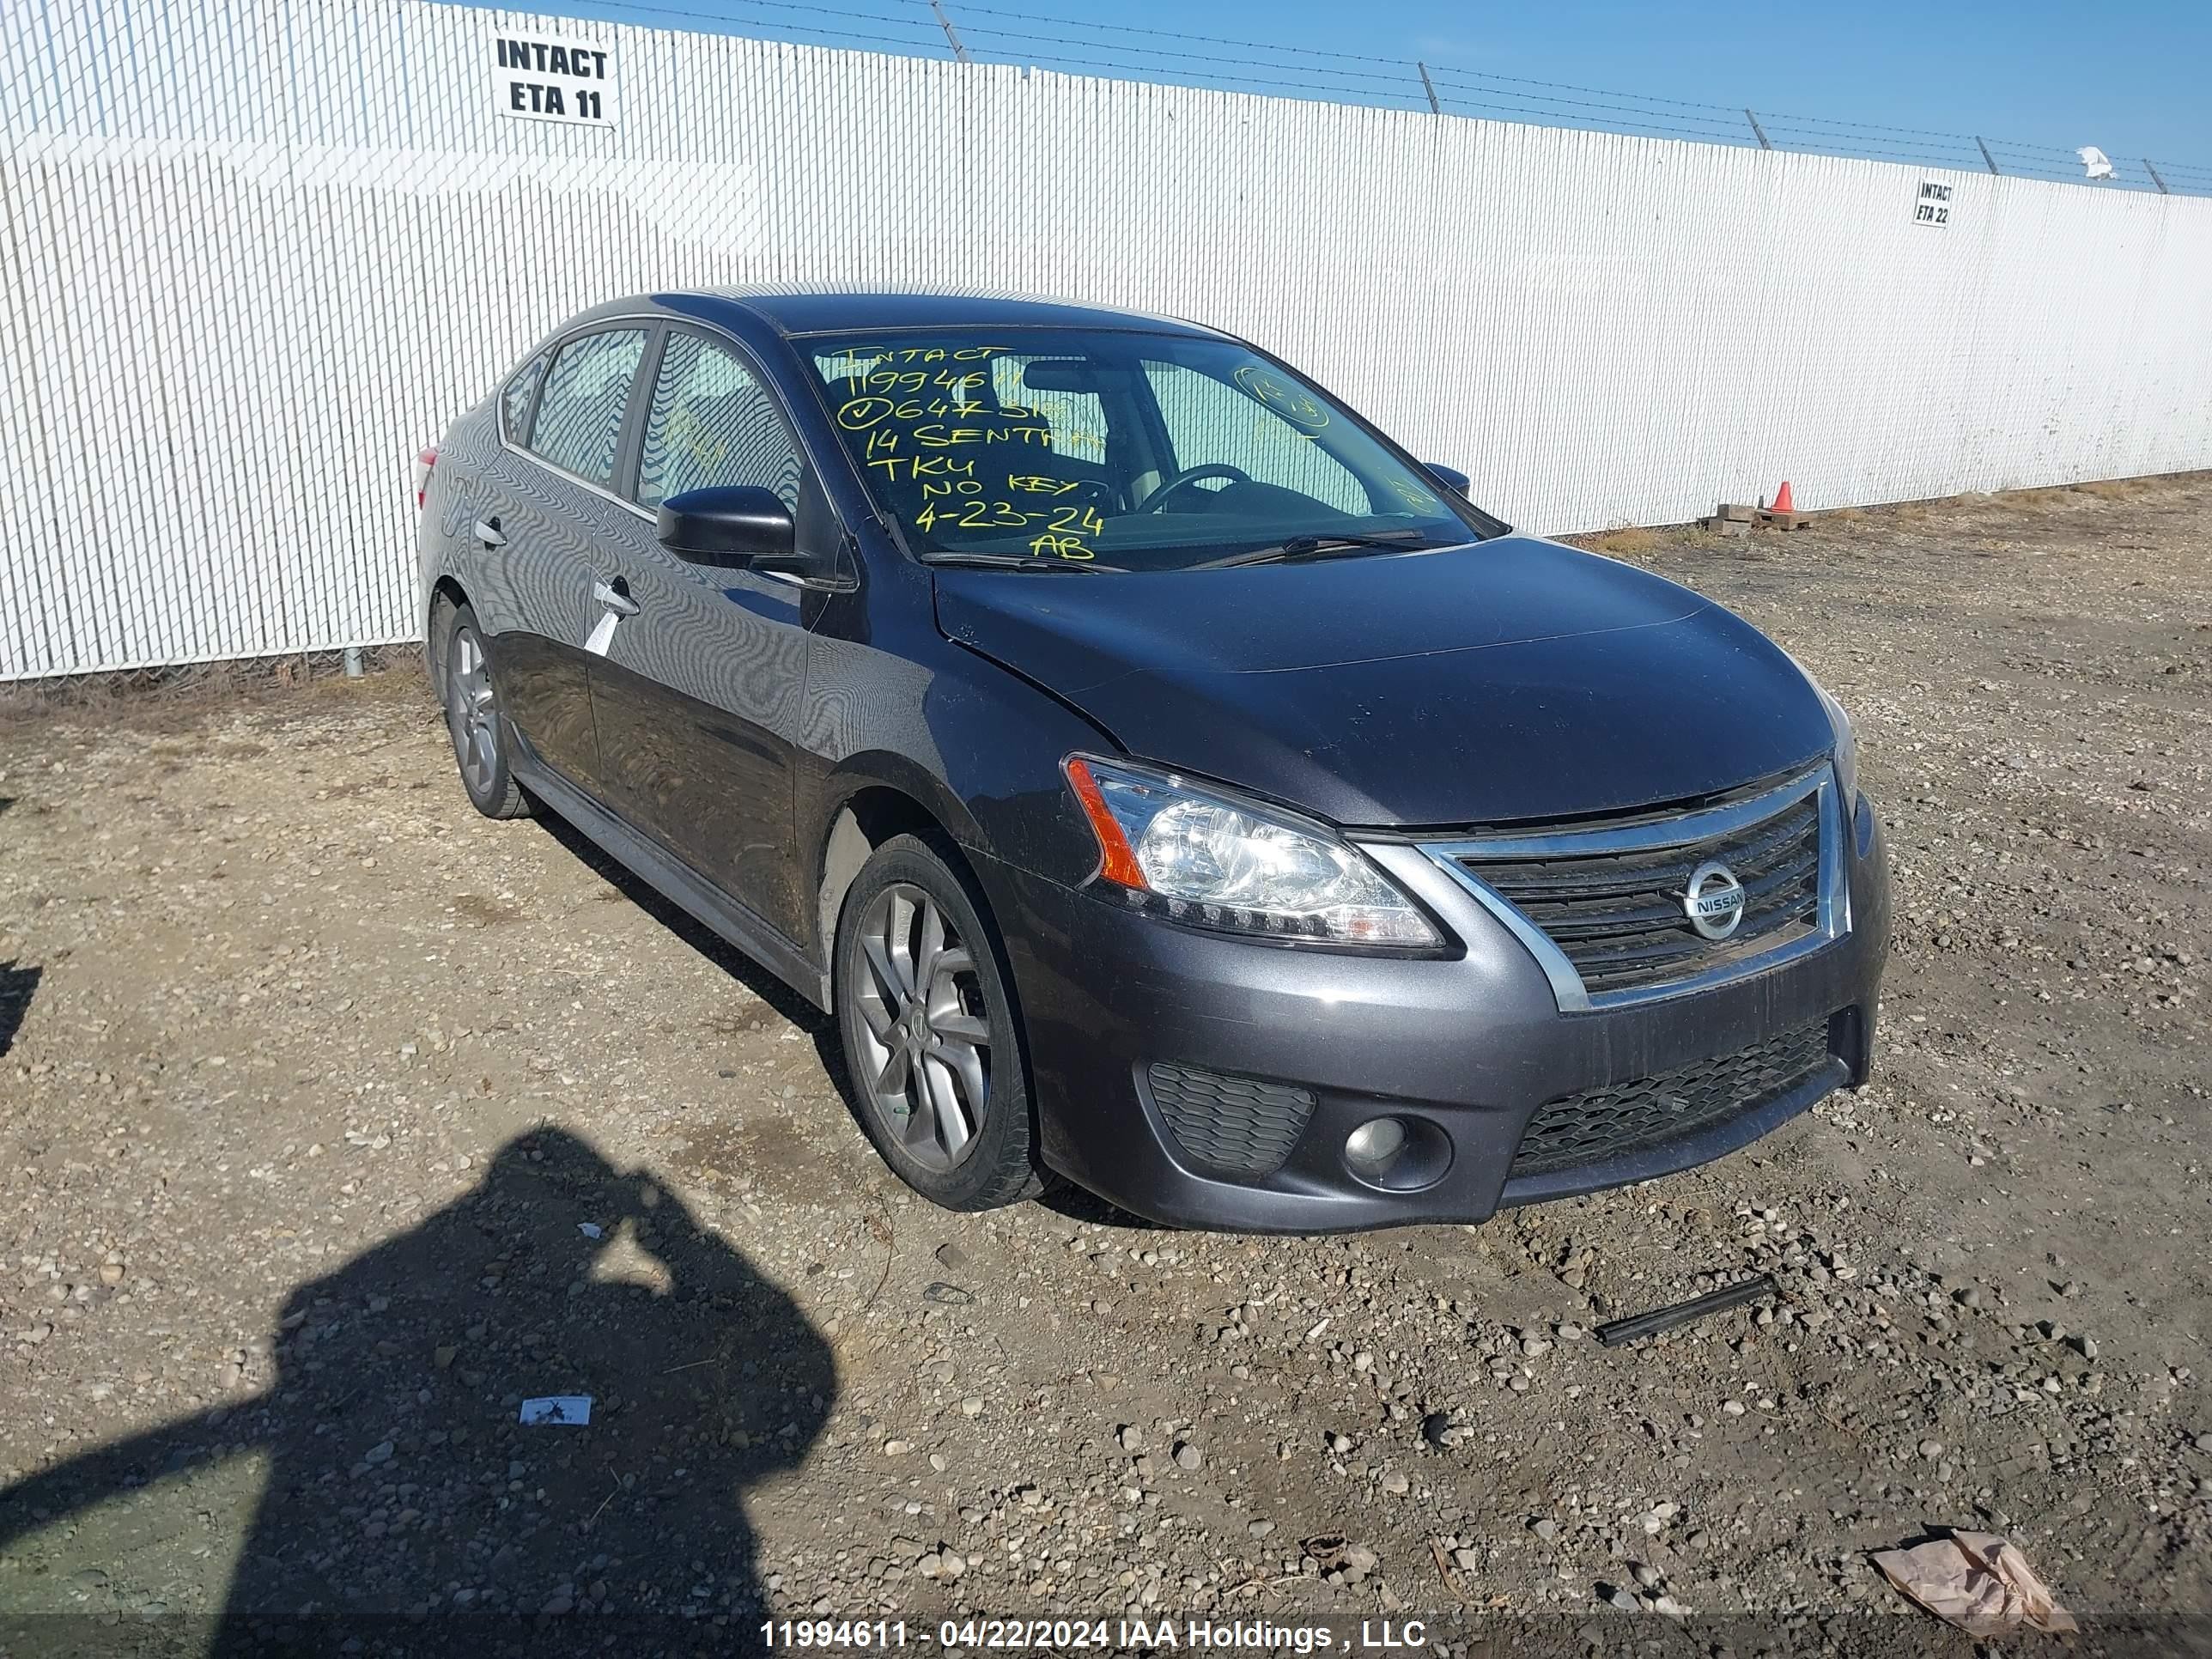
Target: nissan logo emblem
x=1713, y=900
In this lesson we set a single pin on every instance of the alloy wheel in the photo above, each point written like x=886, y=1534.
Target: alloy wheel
x=472, y=714
x=925, y=1041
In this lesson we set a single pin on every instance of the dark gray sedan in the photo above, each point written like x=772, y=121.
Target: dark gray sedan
x=1164, y=779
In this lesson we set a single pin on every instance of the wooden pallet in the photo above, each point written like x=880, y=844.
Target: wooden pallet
x=1730, y=519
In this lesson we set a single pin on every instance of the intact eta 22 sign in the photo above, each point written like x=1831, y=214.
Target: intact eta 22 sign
x=539, y=77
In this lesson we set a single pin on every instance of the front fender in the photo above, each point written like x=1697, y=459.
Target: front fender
x=975, y=747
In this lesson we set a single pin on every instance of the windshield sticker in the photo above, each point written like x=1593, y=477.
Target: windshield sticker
x=1294, y=403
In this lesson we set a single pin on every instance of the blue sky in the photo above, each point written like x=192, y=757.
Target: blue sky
x=2128, y=77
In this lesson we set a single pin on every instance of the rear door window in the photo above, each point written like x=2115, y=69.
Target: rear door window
x=516, y=396
x=579, y=413
x=712, y=422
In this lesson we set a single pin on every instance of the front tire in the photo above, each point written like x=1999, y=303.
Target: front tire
x=926, y=1015
x=473, y=720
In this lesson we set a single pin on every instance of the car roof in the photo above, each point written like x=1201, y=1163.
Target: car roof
x=791, y=310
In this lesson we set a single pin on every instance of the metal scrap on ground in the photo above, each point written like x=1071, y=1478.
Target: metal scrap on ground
x=1683, y=1313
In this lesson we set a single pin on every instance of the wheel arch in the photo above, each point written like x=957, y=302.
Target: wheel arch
x=866, y=805
x=446, y=591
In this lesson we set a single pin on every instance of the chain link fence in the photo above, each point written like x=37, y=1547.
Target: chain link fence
x=258, y=252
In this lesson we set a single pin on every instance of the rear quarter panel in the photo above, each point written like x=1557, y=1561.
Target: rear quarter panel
x=443, y=545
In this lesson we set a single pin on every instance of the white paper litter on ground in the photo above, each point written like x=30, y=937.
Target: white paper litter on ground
x=1977, y=1581
x=564, y=1408
x=589, y=1229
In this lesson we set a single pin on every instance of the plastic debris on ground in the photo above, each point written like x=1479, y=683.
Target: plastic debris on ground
x=563, y=1408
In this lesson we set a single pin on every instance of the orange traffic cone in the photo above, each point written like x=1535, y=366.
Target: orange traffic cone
x=1781, y=502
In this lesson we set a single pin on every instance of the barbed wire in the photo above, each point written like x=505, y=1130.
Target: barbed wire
x=1126, y=50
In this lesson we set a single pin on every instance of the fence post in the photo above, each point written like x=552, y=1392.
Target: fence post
x=1429, y=87
x=2155, y=179
x=1984, y=149
x=1757, y=129
x=958, y=50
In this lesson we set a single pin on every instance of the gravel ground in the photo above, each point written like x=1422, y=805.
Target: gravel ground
x=318, y=1081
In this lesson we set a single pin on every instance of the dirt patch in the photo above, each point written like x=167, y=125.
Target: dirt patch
x=485, y=912
x=317, y=1080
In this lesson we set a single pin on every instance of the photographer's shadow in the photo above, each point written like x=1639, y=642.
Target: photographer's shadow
x=408, y=1510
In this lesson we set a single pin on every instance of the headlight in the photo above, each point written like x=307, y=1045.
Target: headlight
x=1211, y=860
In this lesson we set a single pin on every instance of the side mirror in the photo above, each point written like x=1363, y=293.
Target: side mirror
x=1451, y=475
x=731, y=527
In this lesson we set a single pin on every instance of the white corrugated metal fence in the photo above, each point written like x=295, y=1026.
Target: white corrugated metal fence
x=257, y=252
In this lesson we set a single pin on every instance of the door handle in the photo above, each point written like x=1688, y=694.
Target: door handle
x=487, y=532
x=615, y=596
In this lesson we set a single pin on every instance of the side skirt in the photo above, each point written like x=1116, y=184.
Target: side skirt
x=674, y=881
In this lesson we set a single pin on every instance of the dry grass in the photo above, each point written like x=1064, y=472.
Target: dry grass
x=1628, y=539
x=195, y=686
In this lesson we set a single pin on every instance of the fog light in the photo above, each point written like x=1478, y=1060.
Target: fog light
x=1369, y=1148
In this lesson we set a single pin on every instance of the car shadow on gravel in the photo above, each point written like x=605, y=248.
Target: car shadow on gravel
x=1067, y=1200
x=407, y=1507
x=785, y=1002
x=778, y=998
x=18, y=987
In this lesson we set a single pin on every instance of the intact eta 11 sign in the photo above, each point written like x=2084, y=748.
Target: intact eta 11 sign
x=538, y=77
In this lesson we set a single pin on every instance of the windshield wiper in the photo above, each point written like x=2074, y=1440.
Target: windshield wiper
x=1300, y=548
x=1015, y=562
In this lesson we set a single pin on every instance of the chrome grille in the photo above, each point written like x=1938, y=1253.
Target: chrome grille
x=1618, y=916
x=1624, y=1117
x=1601, y=905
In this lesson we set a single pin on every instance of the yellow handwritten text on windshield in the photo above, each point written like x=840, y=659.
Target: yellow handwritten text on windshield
x=931, y=413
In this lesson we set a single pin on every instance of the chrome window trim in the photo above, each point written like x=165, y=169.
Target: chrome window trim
x=583, y=482
x=1833, y=915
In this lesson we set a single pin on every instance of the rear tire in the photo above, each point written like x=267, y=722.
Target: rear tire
x=479, y=731
x=924, y=1011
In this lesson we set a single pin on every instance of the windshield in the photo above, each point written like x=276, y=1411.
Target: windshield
x=1118, y=450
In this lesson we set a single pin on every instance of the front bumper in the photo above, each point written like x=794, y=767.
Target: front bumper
x=1467, y=1048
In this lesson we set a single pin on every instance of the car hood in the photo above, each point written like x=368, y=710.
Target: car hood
x=1513, y=679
